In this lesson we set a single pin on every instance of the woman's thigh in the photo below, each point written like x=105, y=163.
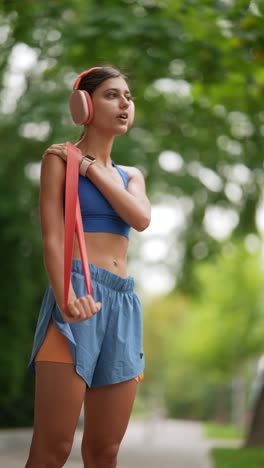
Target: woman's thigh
x=58, y=400
x=107, y=410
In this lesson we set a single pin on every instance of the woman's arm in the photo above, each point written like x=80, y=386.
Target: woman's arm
x=132, y=204
x=52, y=186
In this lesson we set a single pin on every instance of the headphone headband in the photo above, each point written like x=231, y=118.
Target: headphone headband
x=83, y=74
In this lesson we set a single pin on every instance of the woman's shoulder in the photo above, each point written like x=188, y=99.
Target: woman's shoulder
x=52, y=166
x=132, y=172
x=52, y=158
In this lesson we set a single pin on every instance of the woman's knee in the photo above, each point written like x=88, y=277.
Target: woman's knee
x=49, y=456
x=104, y=456
x=61, y=453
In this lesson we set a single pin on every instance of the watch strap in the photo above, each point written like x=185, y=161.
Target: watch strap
x=85, y=163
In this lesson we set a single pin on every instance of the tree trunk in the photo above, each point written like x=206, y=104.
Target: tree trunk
x=255, y=436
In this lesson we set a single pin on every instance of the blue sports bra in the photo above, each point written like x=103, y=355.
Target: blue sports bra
x=97, y=213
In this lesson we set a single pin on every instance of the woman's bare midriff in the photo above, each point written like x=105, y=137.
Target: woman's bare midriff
x=106, y=250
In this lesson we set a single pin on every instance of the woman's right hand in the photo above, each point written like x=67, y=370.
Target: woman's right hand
x=57, y=149
x=81, y=309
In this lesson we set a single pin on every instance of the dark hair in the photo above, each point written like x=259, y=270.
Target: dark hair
x=91, y=81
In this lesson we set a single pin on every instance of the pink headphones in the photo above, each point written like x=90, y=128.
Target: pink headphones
x=81, y=105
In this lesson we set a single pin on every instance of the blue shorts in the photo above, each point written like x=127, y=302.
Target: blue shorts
x=107, y=348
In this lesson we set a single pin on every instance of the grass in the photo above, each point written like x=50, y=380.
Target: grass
x=232, y=457
x=222, y=431
x=238, y=458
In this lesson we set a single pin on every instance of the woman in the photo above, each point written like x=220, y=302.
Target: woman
x=90, y=351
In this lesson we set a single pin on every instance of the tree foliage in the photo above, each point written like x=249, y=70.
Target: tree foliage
x=199, y=346
x=196, y=71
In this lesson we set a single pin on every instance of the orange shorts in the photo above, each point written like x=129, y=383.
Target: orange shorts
x=55, y=348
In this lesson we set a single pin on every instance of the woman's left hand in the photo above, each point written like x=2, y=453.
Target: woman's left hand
x=58, y=149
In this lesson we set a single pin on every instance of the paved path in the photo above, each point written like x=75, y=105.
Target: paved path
x=148, y=444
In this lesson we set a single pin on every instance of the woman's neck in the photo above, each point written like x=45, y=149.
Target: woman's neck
x=97, y=145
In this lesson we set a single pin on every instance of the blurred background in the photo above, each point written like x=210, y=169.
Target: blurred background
x=196, y=71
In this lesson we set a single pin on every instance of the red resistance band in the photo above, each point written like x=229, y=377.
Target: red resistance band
x=73, y=222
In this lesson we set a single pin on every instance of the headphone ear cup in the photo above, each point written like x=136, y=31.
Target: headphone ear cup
x=81, y=107
x=131, y=114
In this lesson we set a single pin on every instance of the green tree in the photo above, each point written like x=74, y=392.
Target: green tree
x=196, y=70
x=229, y=310
x=198, y=347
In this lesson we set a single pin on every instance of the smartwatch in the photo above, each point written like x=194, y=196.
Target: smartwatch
x=85, y=163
